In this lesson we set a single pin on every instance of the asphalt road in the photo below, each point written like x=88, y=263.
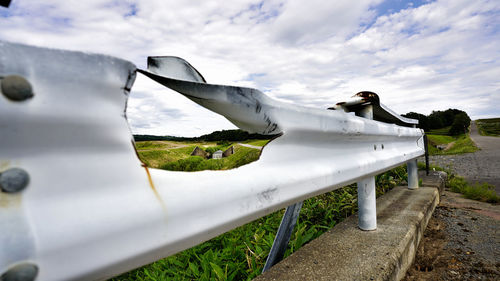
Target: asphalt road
x=481, y=166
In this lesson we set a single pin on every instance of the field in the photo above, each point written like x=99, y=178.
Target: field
x=240, y=254
x=175, y=156
x=489, y=127
x=452, y=145
x=442, y=131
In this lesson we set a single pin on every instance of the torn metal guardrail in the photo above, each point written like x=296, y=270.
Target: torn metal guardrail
x=91, y=210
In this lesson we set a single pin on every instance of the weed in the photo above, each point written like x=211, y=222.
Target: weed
x=482, y=192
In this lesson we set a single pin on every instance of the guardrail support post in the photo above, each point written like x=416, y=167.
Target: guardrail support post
x=283, y=235
x=367, y=208
x=412, y=168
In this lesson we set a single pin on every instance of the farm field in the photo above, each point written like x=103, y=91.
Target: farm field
x=489, y=127
x=175, y=155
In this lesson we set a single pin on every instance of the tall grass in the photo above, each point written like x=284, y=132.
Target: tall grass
x=482, y=192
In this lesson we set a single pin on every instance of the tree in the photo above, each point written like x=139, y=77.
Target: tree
x=423, y=121
x=460, y=124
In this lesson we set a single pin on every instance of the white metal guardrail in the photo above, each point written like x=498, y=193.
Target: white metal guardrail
x=76, y=202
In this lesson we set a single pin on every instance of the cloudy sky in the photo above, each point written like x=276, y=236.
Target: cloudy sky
x=417, y=55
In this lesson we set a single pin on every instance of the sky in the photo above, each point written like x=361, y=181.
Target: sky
x=416, y=55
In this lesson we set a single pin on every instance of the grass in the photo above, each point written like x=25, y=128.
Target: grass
x=257, y=142
x=489, y=127
x=154, y=158
x=482, y=192
x=441, y=131
x=242, y=156
x=461, y=144
x=240, y=254
x=175, y=156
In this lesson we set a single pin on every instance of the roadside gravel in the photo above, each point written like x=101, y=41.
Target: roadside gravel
x=461, y=242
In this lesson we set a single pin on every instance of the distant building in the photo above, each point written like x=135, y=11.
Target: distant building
x=217, y=154
x=229, y=151
x=199, y=152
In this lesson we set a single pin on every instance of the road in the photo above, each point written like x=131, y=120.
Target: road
x=481, y=166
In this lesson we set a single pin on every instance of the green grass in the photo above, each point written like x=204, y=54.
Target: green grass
x=489, y=127
x=241, y=156
x=482, y=192
x=440, y=139
x=172, y=155
x=257, y=142
x=240, y=254
x=441, y=131
x=462, y=144
x=155, y=158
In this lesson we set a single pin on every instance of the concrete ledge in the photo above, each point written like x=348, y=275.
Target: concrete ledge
x=347, y=253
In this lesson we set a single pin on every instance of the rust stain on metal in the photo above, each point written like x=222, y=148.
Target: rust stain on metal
x=10, y=200
x=152, y=185
x=4, y=165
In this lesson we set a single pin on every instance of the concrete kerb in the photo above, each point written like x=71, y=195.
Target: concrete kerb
x=347, y=253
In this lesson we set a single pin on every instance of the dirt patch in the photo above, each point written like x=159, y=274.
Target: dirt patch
x=459, y=243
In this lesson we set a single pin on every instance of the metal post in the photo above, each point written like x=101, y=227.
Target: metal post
x=412, y=169
x=367, y=209
x=426, y=147
x=412, y=174
x=283, y=235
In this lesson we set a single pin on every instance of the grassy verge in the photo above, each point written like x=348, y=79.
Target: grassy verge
x=257, y=142
x=489, y=127
x=482, y=192
x=240, y=254
x=442, y=131
x=461, y=144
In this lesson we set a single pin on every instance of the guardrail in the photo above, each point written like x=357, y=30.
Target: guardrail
x=76, y=202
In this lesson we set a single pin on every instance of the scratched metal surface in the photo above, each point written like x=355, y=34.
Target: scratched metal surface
x=91, y=211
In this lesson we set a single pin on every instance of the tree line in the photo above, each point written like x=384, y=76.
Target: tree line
x=457, y=119
x=224, y=135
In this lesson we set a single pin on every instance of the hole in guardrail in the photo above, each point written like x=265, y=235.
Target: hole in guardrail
x=173, y=133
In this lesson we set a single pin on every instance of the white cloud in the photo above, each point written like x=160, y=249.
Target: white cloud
x=434, y=56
